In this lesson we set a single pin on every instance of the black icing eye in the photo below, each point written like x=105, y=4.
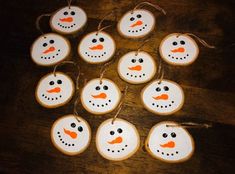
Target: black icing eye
x=164, y=135
x=182, y=42
x=105, y=87
x=158, y=89
x=94, y=40
x=51, y=41
x=141, y=60
x=44, y=44
x=174, y=43
x=72, y=13
x=138, y=16
x=119, y=130
x=97, y=88
x=66, y=13
x=132, y=19
x=173, y=134
x=166, y=88
x=133, y=60
x=112, y=132
x=73, y=125
x=80, y=129
x=59, y=82
x=51, y=83
x=101, y=39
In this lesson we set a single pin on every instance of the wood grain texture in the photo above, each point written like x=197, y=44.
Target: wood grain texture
x=208, y=84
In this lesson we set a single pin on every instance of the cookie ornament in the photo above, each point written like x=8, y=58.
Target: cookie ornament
x=98, y=46
x=138, y=22
x=136, y=67
x=54, y=89
x=180, y=49
x=170, y=142
x=71, y=134
x=117, y=139
x=68, y=20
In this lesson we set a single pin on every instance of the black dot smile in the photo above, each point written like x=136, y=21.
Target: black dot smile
x=51, y=98
x=103, y=105
x=96, y=56
x=178, y=58
x=66, y=27
x=139, y=30
x=163, y=106
x=52, y=56
x=167, y=154
x=119, y=150
x=63, y=141
x=136, y=76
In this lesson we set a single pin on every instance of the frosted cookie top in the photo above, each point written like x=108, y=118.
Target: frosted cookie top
x=117, y=141
x=50, y=49
x=54, y=91
x=136, y=24
x=68, y=20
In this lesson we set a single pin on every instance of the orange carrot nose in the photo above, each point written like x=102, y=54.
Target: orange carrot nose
x=136, y=24
x=135, y=68
x=101, y=95
x=97, y=47
x=51, y=49
x=70, y=133
x=178, y=50
x=116, y=140
x=161, y=97
x=68, y=19
x=170, y=144
x=54, y=90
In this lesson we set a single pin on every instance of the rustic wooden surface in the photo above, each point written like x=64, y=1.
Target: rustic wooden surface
x=209, y=87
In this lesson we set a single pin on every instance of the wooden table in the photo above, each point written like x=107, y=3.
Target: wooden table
x=209, y=87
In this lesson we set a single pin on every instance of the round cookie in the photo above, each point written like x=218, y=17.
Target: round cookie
x=136, y=24
x=97, y=48
x=169, y=144
x=99, y=98
x=54, y=91
x=117, y=141
x=164, y=99
x=178, y=49
x=71, y=136
x=68, y=20
x=50, y=49
x=136, y=69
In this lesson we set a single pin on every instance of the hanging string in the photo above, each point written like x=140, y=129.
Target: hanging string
x=190, y=125
x=139, y=48
x=38, y=22
x=69, y=3
x=157, y=7
x=62, y=63
x=99, y=28
x=105, y=66
x=120, y=104
x=203, y=42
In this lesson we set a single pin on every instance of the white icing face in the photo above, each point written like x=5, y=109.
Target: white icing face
x=164, y=98
x=50, y=49
x=137, y=24
x=69, y=135
x=178, y=49
x=170, y=144
x=99, y=98
x=136, y=69
x=68, y=20
x=54, y=91
x=95, y=48
x=117, y=141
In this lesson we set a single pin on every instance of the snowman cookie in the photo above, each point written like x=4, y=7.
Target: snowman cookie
x=99, y=98
x=71, y=134
x=97, y=47
x=163, y=98
x=68, y=20
x=168, y=143
x=117, y=141
x=178, y=49
x=136, y=24
x=136, y=69
x=54, y=91
x=50, y=49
